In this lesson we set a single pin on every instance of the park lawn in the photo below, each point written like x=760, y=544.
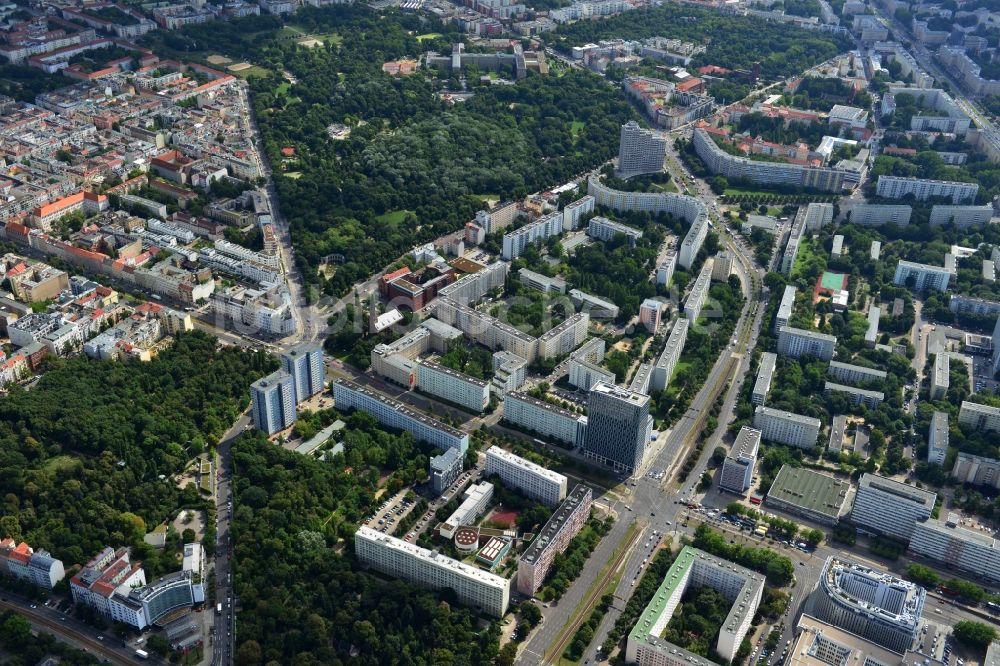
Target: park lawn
x=428, y=36
x=735, y=191
x=665, y=187
x=253, y=70
x=393, y=218
x=294, y=175
x=576, y=127
x=803, y=256
x=283, y=88
x=60, y=463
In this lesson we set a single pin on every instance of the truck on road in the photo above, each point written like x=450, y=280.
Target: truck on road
x=142, y=654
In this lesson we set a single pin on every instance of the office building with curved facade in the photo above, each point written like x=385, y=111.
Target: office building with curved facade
x=872, y=604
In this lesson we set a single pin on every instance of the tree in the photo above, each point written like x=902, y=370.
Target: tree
x=508, y=653
x=974, y=634
x=813, y=537
x=531, y=613
x=16, y=631
x=922, y=575
x=718, y=455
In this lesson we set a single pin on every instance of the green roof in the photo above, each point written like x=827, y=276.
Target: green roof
x=809, y=491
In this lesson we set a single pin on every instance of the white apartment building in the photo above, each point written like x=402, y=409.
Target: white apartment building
x=981, y=418
x=693, y=240
x=925, y=276
x=474, y=286
x=879, y=214
x=874, y=315
x=604, y=229
x=765, y=372
x=562, y=526
x=848, y=372
x=594, y=306
x=532, y=480
x=445, y=470
x=640, y=151
x=539, y=417
x=940, y=376
x=695, y=568
x=509, y=372
x=897, y=187
x=564, y=338
x=785, y=308
x=573, y=213
x=737, y=469
x=453, y=386
x=938, y=439
x=393, y=414
x=486, y=330
x=973, y=552
x=786, y=428
x=584, y=375
x=665, y=271
x=304, y=362
x=977, y=470
x=797, y=342
x=542, y=283
x=961, y=216
x=243, y=254
x=889, y=507
x=473, y=587
x=666, y=363
x=273, y=402
x=857, y=396
x=871, y=604
x=515, y=242
x=699, y=293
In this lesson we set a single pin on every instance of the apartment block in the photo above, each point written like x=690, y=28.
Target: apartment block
x=106, y=573
x=765, y=371
x=474, y=286
x=605, y=230
x=515, y=242
x=594, y=306
x=923, y=276
x=640, y=151
x=693, y=240
x=977, y=470
x=509, y=372
x=562, y=339
x=445, y=470
x=37, y=567
x=981, y=418
x=546, y=420
x=304, y=362
x=393, y=414
x=889, y=507
x=542, y=283
x=961, y=216
x=584, y=375
x=938, y=439
x=666, y=363
x=618, y=427
x=534, y=481
x=879, y=214
x=848, y=372
x=797, y=342
x=486, y=330
x=975, y=553
x=786, y=428
x=940, y=376
x=871, y=604
x=897, y=187
x=699, y=293
x=562, y=526
x=453, y=386
x=737, y=469
x=871, y=334
x=665, y=271
x=857, y=396
x=649, y=314
x=695, y=568
x=573, y=213
x=273, y=402
x=472, y=586
x=785, y=308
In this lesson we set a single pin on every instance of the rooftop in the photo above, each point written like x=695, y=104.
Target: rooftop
x=810, y=491
x=898, y=489
x=580, y=494
x=507, y=456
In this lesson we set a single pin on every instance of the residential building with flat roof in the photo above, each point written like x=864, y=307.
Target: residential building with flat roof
x=848, y=372
x=515, y=242
x=785, y=308
x=349, y=395
x=871, y=335
x=564, y=338
x=542, y=283
x=967, y=550
x=445, y=470
x=699, y=292
x=765, y=372
x=640, y=151
x=554, y=537
x=982, y=418
x=534, y=481
x=594, y=306
x=618, y=426
x=453, y=386
x=940, y=376
x=509, y=372
x=666, y=363
x=879, y=214
x=304, y=362
x=546, y=420
x=273, y=402
x=977, y=470
x=818, y=497
x=897, y=187
x=584, y=375
x=472, y=586
x=737, y=469
x=857, y=396
x=872, y=604
x=889, y=507
x=924, y=276
x=475, y=499
x=573, y=213
x=937, y=439
x=695, y=568
x=786, y=428
x=838, y=430
x=649, y=314
x=605, y=230
x=797, y=342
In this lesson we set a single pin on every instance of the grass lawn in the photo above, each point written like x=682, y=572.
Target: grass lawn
x=393, y=218
x=294, y=175
x=253, y=70
x=803, y=256
x=576, y=127
x=283, y=88
x=429, y=35
x=733, y=191
x=681, y=366
x=60, y=463
x=490, y=199
x=664, y=187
